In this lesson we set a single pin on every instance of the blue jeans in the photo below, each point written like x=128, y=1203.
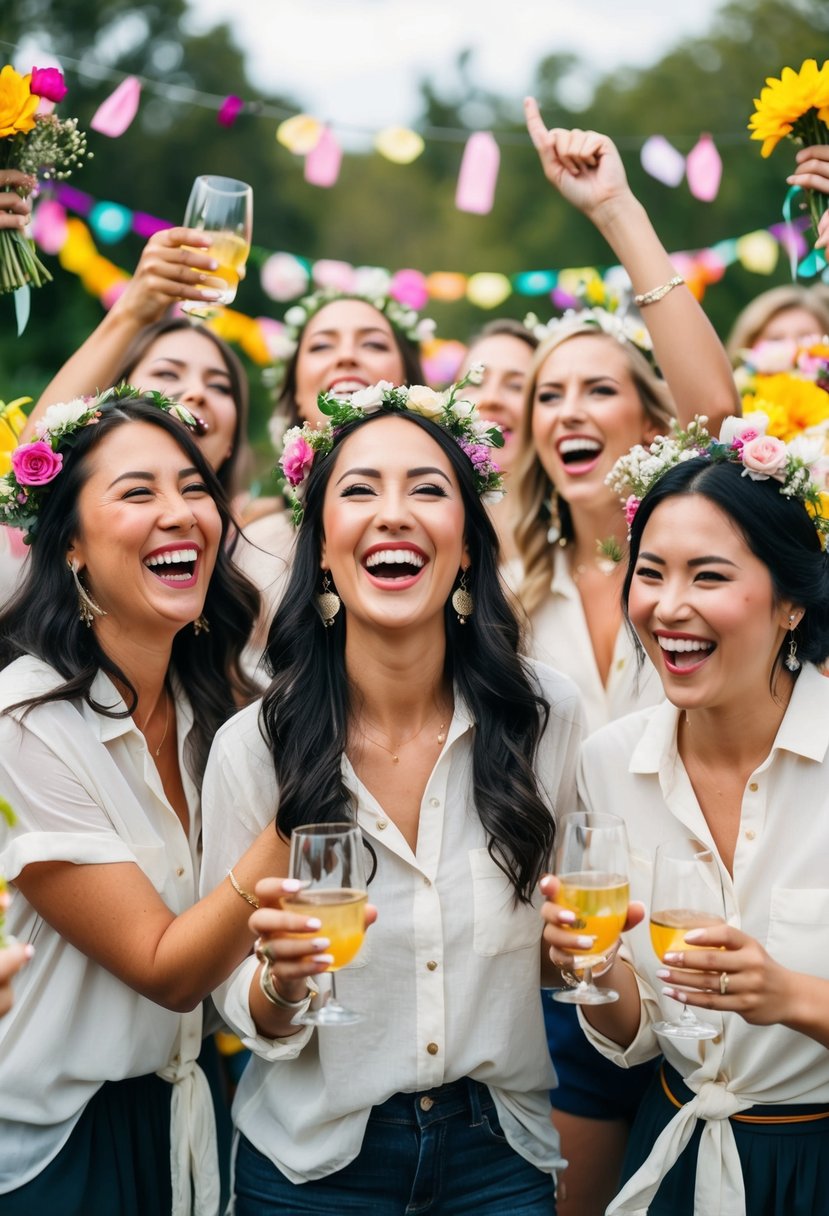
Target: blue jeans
x=439, y=1153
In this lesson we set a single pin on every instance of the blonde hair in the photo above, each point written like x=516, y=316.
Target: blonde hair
x=535, y=497
x=756, y=315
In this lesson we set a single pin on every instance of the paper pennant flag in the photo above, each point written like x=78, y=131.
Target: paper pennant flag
x=409, y=287
x=114, y=115
x=230, y=110
x=535, y=282
x=758, y=251
x=703, y=169
x=49, y=225
x=146, y=225
x=299, y=134
x=322, y=164
x=662, y=161
x=338, y=275
x=478, y=174
x=488, y=289
x=110, y=222
x=446, y=285
x=399, y=144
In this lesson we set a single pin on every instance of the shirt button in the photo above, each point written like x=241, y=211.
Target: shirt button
x=180, y=871
x=432, y=1049
x=427, y=1103
x=620, y=664
x=431, y=965
x=754, y=787
x=434, y=802
x=382, y=823
x=750, y=835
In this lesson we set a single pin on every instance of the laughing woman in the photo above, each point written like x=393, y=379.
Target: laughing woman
x=728, y=591
x=413, y=716
x=118, y=661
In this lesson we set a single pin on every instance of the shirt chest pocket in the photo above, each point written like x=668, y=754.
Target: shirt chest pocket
x=799, y=929
x=500, y=924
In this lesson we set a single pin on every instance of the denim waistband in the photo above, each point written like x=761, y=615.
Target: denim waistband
x=462, y=1097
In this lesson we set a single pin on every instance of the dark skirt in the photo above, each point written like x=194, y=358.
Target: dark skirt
x=117, y=1159
x=785, y=1165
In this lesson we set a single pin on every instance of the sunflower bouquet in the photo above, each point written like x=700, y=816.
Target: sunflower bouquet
x=37, y=143
x=797, y=106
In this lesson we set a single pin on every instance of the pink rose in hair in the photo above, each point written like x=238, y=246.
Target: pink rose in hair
x=630, y=508
x=764, y=457
x=297, y=460
x=35, y=464
x=48, y=83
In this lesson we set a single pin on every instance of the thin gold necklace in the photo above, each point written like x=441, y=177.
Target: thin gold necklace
x=143, y=729
x=394, y=751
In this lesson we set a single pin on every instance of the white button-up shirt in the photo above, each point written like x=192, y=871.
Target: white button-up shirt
x=86, y=790
x=779, y=894
x=560, y=637
x=447, y=979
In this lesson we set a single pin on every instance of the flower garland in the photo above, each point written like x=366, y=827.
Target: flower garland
x=457, y=416
x=622, y=327
x=40, y=144
x=405, y=320
x=35, y=465
x=790, y=383
x=743, y=441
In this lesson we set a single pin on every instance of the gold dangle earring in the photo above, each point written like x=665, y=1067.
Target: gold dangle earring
x=791, y=660
x=88, y=608
x=462, y=600
x=201, y=625
x=328, y=602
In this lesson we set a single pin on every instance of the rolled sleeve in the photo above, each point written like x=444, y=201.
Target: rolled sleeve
x=231, y=999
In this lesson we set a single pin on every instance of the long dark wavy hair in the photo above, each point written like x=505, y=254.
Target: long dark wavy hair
x=42, y=618
x=777, y=530
x=308, y=706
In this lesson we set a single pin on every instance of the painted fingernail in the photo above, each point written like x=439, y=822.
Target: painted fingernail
x=313, y=923
x=291, y=884
x=29, y=951
x=672, y=958
x=324, y=960
x=320, y=943
x=567, y=918
x=672, y=993
x=585, y=943
x=695, y=935
x=207, y=293
x=662, y=973
x=213, y=264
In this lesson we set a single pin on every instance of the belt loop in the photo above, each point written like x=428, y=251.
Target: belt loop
x=474, y=1090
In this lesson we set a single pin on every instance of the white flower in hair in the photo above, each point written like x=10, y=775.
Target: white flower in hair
x=366, y=398
x=426, y=401
x=475, y=375
x=62, y=415
x=295, y=316
x=736, y=428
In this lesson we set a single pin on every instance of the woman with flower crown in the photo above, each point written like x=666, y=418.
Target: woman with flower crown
x=398, y=702
x=727, y=588
x=119, y=658
x=592, y=392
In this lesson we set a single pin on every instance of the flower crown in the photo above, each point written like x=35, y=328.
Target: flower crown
x=405, y=320
x=35, y=465
x=624, y=328
x=458, y=417
x=742, y=441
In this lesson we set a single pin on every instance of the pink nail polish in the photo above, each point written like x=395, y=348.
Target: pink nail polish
x=291, y=884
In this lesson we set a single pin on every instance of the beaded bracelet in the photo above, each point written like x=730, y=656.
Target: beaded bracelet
x=658, y=293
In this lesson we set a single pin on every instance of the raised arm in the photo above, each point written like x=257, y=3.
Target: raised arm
x=586, y=169
x=167, y=272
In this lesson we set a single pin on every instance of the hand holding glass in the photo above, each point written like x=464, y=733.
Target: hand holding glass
x=592, y=868
x=327, y=858
x=687, y=894
x=223, y=209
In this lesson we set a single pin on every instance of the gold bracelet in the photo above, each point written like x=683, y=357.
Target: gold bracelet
x=271, y=993
x=658, y=293
x=246, y=895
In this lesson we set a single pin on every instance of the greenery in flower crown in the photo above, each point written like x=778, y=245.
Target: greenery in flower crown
x=35, y=465
x=457, y=416
x=799, y=466
x=406, y=320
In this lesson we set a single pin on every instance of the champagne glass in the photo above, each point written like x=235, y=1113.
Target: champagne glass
x=687, y=894
x=592, y=868
x=327, y=858
x=223, y=209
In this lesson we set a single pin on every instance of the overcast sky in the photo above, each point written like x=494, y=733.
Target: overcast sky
x=358, y=62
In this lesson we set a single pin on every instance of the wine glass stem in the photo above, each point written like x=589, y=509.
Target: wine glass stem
x=332, y=1000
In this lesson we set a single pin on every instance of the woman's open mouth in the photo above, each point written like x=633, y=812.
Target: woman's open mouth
x=174, y=565
x=684, y=654
x=579, y=453
x=396, y=566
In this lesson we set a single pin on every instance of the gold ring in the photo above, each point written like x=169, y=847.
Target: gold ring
x=724, y=982
x=260, y=949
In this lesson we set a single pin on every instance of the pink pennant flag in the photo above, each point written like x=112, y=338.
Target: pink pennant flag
x=703, y=169
x=661, y=159
x=322, y=163
x=114, y=115
x=230, y=110
x=478, y=175
x=49, y=226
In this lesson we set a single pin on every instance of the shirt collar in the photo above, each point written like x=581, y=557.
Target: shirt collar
x=562, y=582
x=804, y=730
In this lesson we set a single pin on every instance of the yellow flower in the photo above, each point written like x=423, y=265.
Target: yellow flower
x=819, y=510
x=17, y=103
x=786, y=100
x=12, y=422
x=792, y=404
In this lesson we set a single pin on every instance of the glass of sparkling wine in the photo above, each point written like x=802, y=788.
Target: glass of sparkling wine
x=328, y=859
x=223, y=208
x=687, y=894
x=592, y=868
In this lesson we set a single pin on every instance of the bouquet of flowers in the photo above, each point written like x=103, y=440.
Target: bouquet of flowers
x=797, y=106
x=41, y=144
x=789, y=382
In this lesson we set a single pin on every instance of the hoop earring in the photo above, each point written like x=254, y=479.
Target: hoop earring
x=791, y=660
x=88, y=608
x=462, y=600
x=201, y=625
x=328, y=602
